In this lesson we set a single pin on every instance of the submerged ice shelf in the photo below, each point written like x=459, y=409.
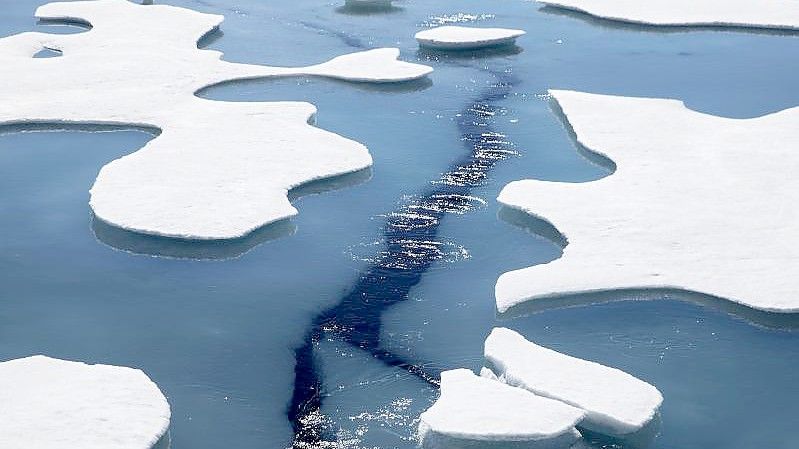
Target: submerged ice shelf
x=466, y=38
x=775, y=14
x=57, y=404
x=218, y=170
x=697, y=202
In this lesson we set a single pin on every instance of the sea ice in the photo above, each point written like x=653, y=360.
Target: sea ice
x=452, y=37
x=218, y=170
x=474, y=409
x=615, y=403
x=57, y=404
x=697, y=202
x=778, y=14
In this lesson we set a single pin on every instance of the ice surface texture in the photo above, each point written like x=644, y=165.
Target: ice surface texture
x=615, y=402
x=776, y=14
x=218, y=170
x=473, y=408
x=466, y=38
x=57, y=404
x=697, y=202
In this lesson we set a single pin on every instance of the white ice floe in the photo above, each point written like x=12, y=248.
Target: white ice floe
x=473, y=408
x=219, y=169
x=466, y=38
x=48, y=403
x=777, y=14
x=615, y=403
x=697, y=202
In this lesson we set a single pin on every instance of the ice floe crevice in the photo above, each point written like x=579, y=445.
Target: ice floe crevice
x=219, y=170
x=58, y=404
x=473, y=408
x=615, y=403
x=767, y=14
x=698, y=203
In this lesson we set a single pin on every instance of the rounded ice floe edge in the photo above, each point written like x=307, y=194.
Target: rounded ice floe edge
x=453, y=37
x=554, y=421
x=513, y=298
x=509, y=352
x=62, y=385
x=670, y=23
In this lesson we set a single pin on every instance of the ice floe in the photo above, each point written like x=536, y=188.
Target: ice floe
x=453, y=37
x=218, y=170
x=474, y=409
x=615, y=402
x=57, y=404
x=776, y=14
x=697, y=202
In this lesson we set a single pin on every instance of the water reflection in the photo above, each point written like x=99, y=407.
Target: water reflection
x=355, y=8
x=483, y=53
x=175, y=248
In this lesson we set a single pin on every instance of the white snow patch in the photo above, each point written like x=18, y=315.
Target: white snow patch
x=615, y=402
x=777, y=14
x=453, y=37
x=473, y=408
x=49, y=403
x=219, y=170
x=698, y=202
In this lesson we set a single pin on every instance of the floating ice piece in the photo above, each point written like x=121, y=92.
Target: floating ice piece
x=218, y=170
x=698, y=202
x=776, y=14
x=615, y=402
x=473, y=409
x=57, y=404
x=466, y=38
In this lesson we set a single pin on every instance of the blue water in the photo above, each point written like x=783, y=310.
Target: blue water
x=221, y=335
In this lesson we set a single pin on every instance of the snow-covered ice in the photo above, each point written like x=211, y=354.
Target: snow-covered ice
x=777, y=14
x=218, y=170
x=48, y=403
x=697, y=202
x=615, y=402
x=453, y=37
x=473, y=408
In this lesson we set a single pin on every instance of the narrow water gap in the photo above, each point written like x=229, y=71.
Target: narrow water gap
x=411, y=247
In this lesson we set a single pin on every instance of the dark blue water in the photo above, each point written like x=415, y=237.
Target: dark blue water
x=220, y=328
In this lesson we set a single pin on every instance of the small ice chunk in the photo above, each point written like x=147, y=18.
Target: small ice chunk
x=616, y=403
x=473, y=409
x=57, y=404
x=488, y=374
x=466, y=38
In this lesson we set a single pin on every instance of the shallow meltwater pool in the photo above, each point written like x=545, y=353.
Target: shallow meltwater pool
x=331, y=330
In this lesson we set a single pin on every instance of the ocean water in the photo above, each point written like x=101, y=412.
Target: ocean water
x=330, y=331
